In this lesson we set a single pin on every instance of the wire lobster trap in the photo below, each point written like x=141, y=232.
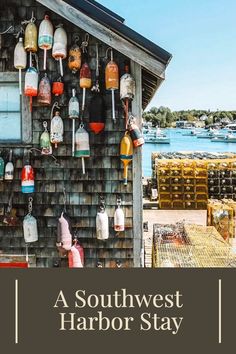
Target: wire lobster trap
x=191, y=246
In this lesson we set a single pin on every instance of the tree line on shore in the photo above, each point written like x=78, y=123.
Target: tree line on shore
x=164, y=117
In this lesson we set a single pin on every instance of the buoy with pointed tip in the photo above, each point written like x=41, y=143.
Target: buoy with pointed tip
x=126, y=154
x=20, y=59
x=45, y=39
x=59, y=49
x=102, y=224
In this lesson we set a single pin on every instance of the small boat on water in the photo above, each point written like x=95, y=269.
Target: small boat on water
x=227, y=138
x=210, y=134
x=192, y=132
x=155, y=136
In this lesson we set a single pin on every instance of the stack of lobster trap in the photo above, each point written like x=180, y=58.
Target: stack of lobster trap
x=182, y=184
x=188, y=183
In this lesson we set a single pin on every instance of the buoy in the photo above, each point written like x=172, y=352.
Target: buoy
x=31, y=84
x=119, y=217
x=44, y=94
x=112, y=80
x=20, y=59
x=73, y=114
x=45, y=144
x=9, y=169
x=127, y=90
x=64, y=231
x=126, y=154
x=85, y=82
x=30, y=228
x=76, y=256
x=56, y=129
x=102, y=223
x=97, y=109
x=74, y=61
x=31, y=36
x=59, y=49
x=135, y=132
x=82, y=148
x=58, y=87
x=2, y=165
x=45, y=39
x=27, y=177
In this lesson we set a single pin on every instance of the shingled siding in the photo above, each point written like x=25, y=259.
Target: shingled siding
x=104, y=171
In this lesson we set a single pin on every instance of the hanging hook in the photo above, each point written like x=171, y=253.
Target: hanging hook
x=30, y=205
x=55, y=104
x=85, y=43
x=102, y=203
x=111, y=49
x=119, y=201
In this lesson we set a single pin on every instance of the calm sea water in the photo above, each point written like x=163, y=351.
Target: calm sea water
x=178, y=142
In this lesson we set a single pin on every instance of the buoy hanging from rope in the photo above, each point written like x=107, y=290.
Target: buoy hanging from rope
x=44, y=94
x=56, y=130
x=119, y=217
x=31, y=37
x=31, y=84
x=9, y=169
x=135, y=132
x=82, y=148
x=126, y=154
x=27, y=176
x=127, y=90
x=73, y=114
x=112, y=80
x=85, y=81
x=64, y=237
x=97, y=109
x=30, y=228
x=58, y=87
x=20, y=60
x=59, y=49
x=45, y=144
x=74, y=60
x=102, y=222
x=45, y=39
x=76, y=256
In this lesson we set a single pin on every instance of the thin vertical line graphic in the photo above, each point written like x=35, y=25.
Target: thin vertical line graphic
x=220, y=313
x=16, y=311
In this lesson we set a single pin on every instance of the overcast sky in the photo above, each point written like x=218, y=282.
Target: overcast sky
x=201, y=35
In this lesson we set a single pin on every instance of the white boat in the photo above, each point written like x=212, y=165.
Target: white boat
x=227, y=138
x=210, y=134
x=156, y=136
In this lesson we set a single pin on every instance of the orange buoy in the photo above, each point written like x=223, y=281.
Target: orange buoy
x=74, y=61
x=112, y=80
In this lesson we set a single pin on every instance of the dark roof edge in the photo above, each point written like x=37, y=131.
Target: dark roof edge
x=106, y=10
x=107, y=20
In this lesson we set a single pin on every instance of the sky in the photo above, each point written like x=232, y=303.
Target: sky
x=201, y=36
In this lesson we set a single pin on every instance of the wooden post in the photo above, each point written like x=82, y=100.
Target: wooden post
x=138, y=252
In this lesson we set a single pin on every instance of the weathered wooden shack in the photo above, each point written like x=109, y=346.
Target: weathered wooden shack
x=103, y=169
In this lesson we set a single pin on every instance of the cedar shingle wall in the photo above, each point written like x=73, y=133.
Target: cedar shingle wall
x=103, y=170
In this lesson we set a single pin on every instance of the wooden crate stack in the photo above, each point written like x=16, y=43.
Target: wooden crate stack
x=221, y=215
x=222, y=179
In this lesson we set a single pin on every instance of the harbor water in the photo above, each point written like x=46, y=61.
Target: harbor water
x=178, y=142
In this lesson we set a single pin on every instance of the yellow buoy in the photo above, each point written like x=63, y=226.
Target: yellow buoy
x=126, y=154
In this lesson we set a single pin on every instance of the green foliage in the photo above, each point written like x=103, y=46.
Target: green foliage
x=164, y=117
